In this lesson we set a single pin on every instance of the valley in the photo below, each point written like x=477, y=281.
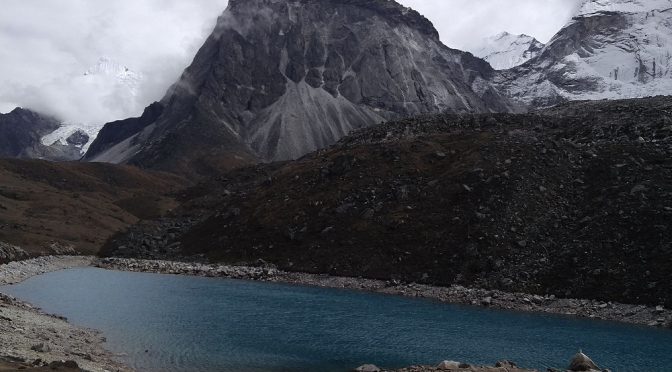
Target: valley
x=328, y=185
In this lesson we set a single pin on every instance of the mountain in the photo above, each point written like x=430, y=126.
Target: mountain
x=504, y=51
x=279, y=78
x=611, y=49
x=119, y=73
x=107, y=75
x=21, y=132
x=115, y=132
x=572, y=201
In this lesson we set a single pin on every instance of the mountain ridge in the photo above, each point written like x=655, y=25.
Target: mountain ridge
x=325, y=68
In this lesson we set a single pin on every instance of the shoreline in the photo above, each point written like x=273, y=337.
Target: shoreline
x=32, y=339
x=18, y=271
x=24, y=327
x=493, y=299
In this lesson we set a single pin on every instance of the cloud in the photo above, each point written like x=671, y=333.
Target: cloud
x=464, y=23
x=47, y=45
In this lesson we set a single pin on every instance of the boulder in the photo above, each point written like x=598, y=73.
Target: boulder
x=581, y=362
x=367, y=368
x=448, y=365
x=506, y=364
x=41, y=348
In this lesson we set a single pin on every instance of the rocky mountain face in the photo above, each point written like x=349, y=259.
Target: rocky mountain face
x=278, y=79
x=115, y=132
x=611, y=49
x=504, y=51
x=538, y=203
x=21, y=133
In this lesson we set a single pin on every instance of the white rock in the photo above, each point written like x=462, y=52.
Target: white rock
x=368, y=368
x=448, y=365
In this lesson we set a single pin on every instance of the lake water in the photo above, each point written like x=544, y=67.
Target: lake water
x=177, y=323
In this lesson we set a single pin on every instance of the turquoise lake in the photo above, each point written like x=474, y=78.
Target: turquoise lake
x=179, y=323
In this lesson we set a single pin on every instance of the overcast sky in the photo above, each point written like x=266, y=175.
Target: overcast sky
x=45, y=45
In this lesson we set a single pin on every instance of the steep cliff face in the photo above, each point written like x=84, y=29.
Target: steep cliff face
x=611, y=49
x=278, y=79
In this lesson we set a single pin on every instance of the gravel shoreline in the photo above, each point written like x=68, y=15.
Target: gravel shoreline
x=24, y=328
x=634, y=314
x=18, y=271
x=27, y=334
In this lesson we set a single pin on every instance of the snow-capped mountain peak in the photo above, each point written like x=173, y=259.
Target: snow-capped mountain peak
x=106, y=67
x=611, y=49
x=504, y=50
x=112, y=81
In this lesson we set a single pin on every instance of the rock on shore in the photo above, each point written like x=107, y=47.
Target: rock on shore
x=580, y=362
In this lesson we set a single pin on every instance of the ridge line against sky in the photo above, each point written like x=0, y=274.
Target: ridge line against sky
x=47, y=45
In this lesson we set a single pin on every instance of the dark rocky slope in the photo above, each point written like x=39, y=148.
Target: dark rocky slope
x=21, y=132
x=573, y=201
x=117, y=131
x=278, y=79
x=63, y=208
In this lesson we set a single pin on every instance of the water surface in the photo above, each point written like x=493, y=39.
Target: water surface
x=176, y=323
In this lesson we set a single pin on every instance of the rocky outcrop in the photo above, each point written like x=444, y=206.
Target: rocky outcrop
x=9, y=253
x=610, y=50
x=581, y=362
x=278, y=79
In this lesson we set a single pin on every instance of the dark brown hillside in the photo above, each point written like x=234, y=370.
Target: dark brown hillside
x=45, y=205
x=574, y=201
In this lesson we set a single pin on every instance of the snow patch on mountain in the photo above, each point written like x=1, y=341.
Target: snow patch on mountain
x=623, y=6
x=504, y=51
x=105, y=76
x=611, y=50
